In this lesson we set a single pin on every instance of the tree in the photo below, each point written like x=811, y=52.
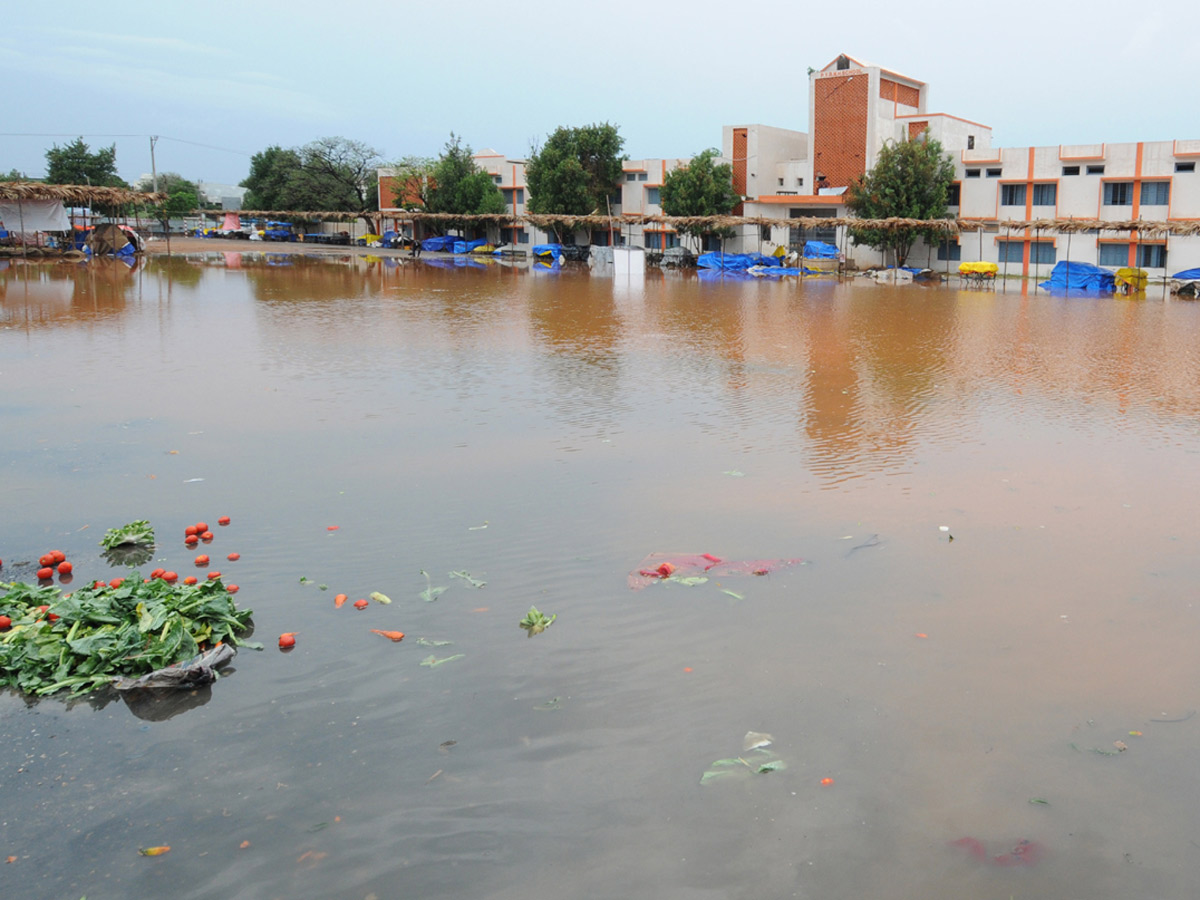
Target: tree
x=183, y=196
x=76, y=164
x=270, y=172
x=14, y=175
x=411, y=181
x=910, y=180
x=458, y=186
x=699, y=189
x=576, y=171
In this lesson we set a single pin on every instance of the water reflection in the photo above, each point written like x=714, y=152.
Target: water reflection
x=545, y=432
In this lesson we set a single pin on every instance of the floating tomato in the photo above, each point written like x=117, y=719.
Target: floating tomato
x=232, y=588
x=65, y=568
x=191, y=579
x=191, y=540
x=207, y=537
x=58, y=556
x=202, y=560
x=191, y=529
x=287, y=640
x=213, y=576
x=170, y=577
x=234, y=557
x=45, y=573
x=360, y=604
x=224, y=520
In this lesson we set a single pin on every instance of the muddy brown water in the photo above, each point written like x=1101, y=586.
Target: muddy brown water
x=544, y=431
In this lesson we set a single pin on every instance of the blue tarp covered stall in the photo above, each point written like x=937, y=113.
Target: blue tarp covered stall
x=1187, y=275
x=1080, y=276
x=554, y=250
x=735, y=261
x=445, y=242
x=467, y=246
x=819, y=250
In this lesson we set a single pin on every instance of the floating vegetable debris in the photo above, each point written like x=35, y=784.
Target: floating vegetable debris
x=154, y=851
x=535, y=621
x=756, y=759
x=432, y=661
x=466, y=576
x=129, y=627
x=390, y=635
x=430, y=593
x=137, y=532
x=380, y=598
x=680, y=568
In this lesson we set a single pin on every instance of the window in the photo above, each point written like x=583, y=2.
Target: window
x=972, y=173
x=652, y=195
x=1011, y=252
x=1070, y=170
x=497, y=179
x=1152, y=256
x=631, y=176
x=954, y=195
x=1045, y=194
x=764, y=232
x=614, y=199
x=600, y=238
x=1095, y=170
x=509, y=193
x=1185, y=167
x=1012, y=195
x=1114, y=255
x=1042, y=253
x=1118, y=193
x=970, y=142
x=518, y=236
x=781, y=182
x=641, y=176
x=949, y=251
x=993, y=173
x=1156, y=193
x=799, y=182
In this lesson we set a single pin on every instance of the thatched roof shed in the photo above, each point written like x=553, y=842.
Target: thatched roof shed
x=75, y=194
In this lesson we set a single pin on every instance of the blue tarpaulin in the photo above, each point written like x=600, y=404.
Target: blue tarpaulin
x=440, y=243
x=735, y=261
x=819, y=250
x=468, y=246
x=1187, y=275
x=1080, y=276
x=554, y=250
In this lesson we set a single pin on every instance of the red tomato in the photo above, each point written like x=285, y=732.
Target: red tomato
x=191, y=529
x=158, y=573
x=202, y=560
x=201, y=527
x=191, y=579
x=287, y=640
x=64, y=568
x=224, y=520
x=45, y=573
x=99, y=584
x=339, y=600
x=46, y=560
x=232, y=588
x=213, y=576
x=115, y=583
x=191, y=540
x=360, y=604
x=58, y=556
x=170, y=577
x=5, y=623
x=206, y=537
x=234, y=557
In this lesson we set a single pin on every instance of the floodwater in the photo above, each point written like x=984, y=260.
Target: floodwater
x=994, y=494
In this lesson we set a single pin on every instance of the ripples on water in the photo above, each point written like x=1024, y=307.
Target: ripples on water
x=586, y=423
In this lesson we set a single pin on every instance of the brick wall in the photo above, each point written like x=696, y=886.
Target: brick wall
x=901, y=93
x=839, y=138
x=739, y=166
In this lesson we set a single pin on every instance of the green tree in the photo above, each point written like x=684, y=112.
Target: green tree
x=76, y=164
x=576, y=170
x=267, y=184
x=458, y=186
x=910, y=180
x=410, y=185
x=14, y=175
x=700, y=188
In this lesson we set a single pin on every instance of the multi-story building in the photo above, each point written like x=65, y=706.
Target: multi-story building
x=854, y=108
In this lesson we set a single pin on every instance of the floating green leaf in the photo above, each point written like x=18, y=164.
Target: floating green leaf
x=426, y=642
x=431, y=661
x=552, y=703
x=688, y=581
x=137, y=532
x=535, y=622
x=380, y=598
x=466, y=576
x=1041, y=801
x=713, y=774
x=775, y=765
x=734, y=473
x=430, y=593
x=734, y=594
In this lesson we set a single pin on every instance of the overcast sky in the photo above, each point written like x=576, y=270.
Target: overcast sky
x=219, y=81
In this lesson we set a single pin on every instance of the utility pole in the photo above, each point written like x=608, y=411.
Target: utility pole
x=153, y=168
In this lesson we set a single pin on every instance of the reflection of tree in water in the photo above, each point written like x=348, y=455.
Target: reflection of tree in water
x=41, y=294
x=576, y=320
x=178, y=270
x=296, y=278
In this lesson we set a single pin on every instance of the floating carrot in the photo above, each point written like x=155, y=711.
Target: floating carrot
x=339, y=600
x=154, y=851
x=390, y=635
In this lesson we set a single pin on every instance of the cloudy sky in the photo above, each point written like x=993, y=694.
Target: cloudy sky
x=219, y=81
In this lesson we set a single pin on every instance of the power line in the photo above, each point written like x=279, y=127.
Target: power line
x=89, y=134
